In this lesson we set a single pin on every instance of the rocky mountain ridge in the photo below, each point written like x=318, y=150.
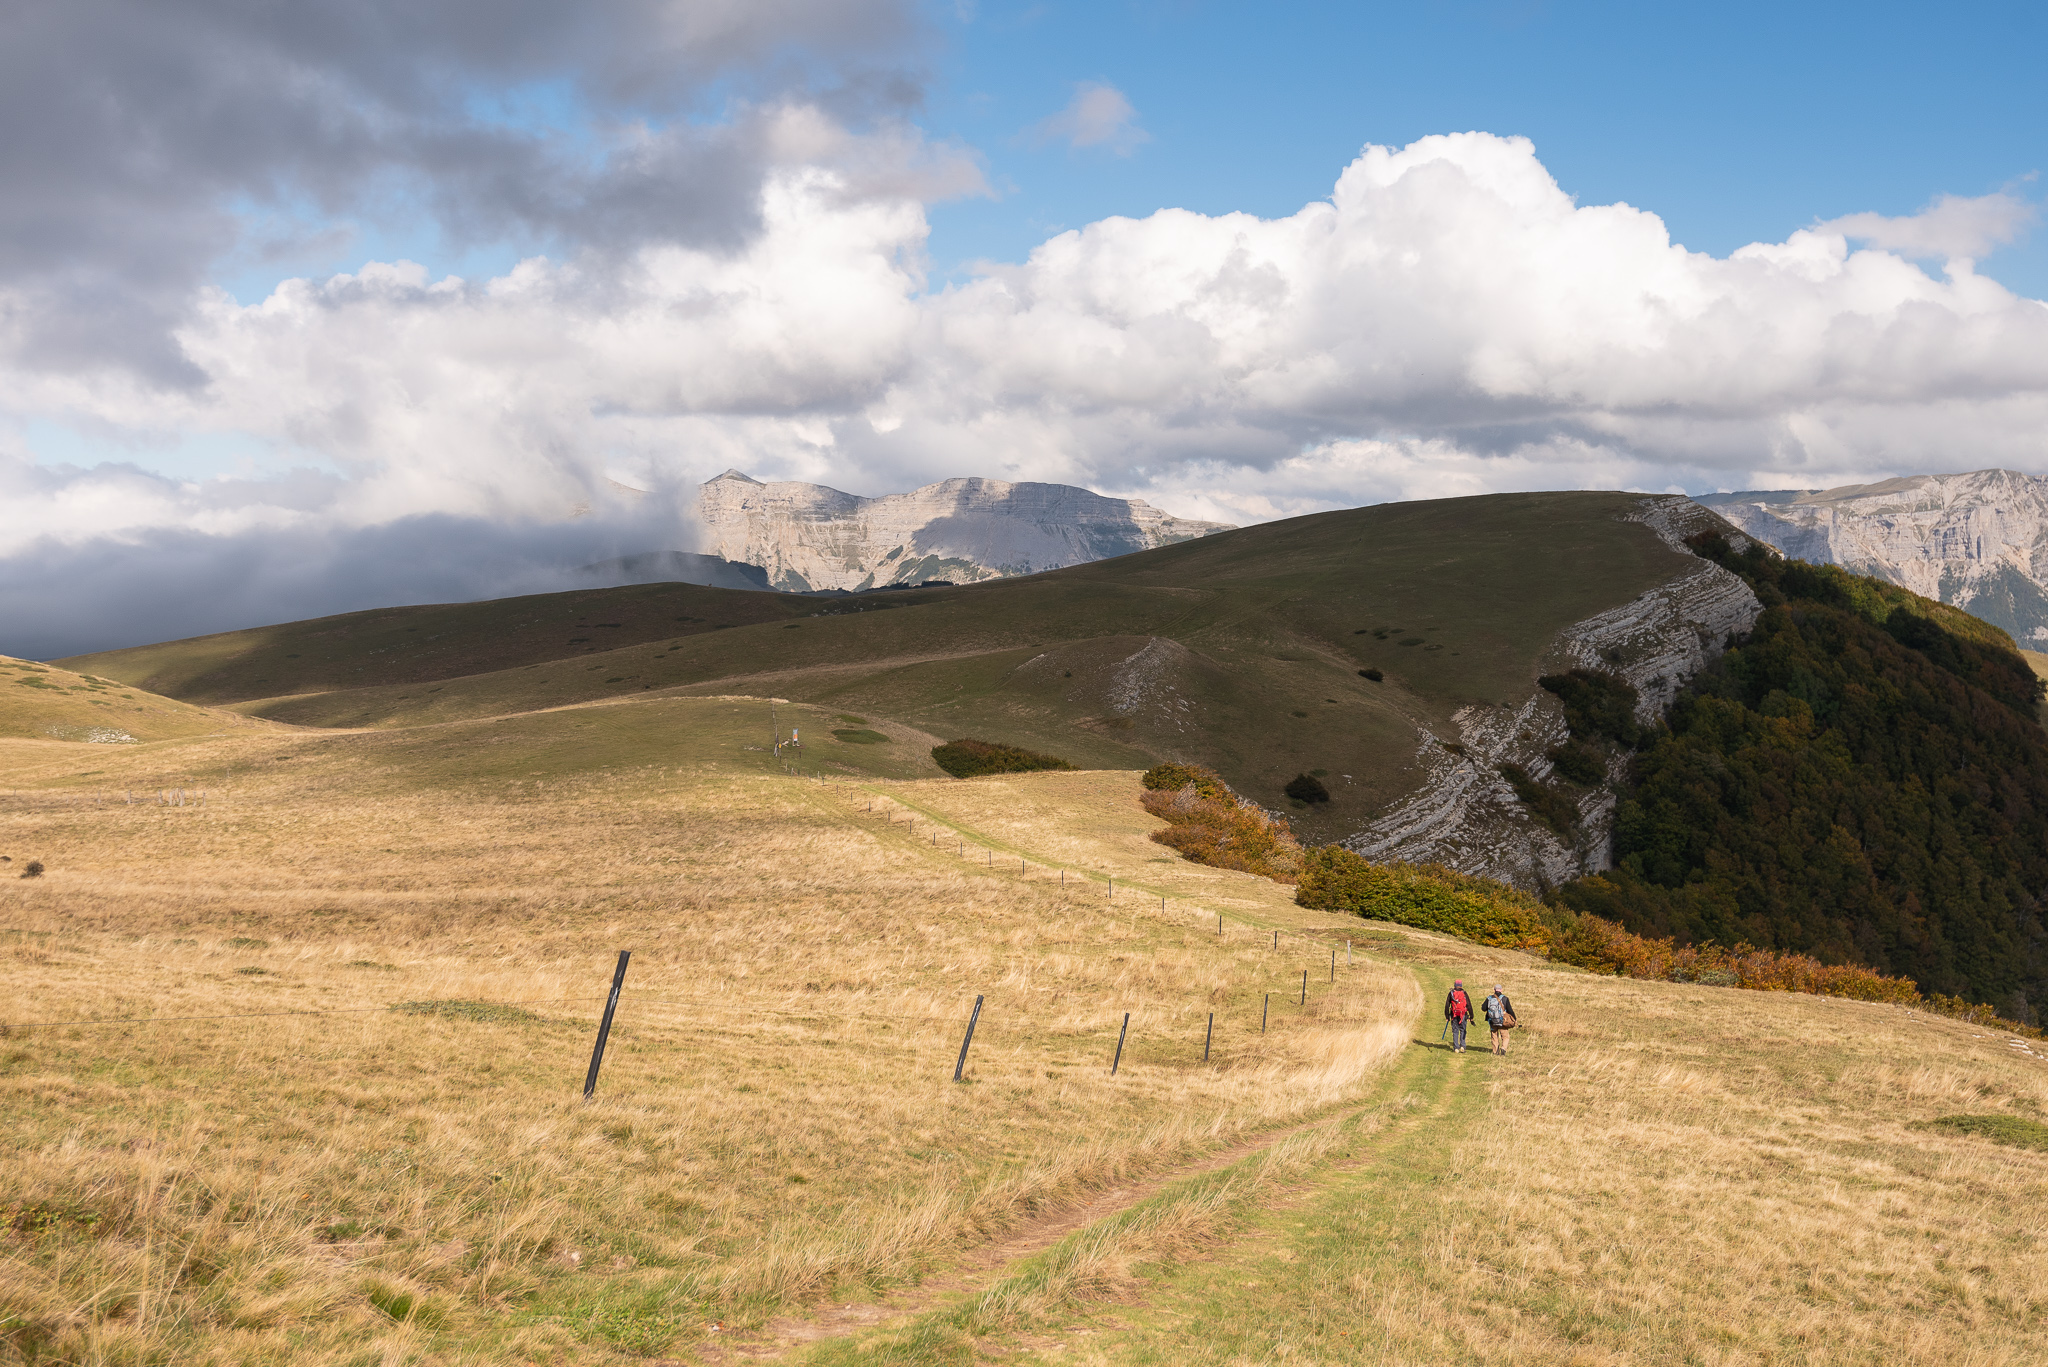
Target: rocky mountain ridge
x=1977, y=541
x=808, y=537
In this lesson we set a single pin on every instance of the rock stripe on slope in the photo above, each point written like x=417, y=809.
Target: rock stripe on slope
x=1465, y=815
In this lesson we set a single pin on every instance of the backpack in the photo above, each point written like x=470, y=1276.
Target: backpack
x=1461, y=1005
x=1496, y=1011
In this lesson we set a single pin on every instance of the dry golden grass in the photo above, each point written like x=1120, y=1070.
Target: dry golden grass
x=776, y=1119
x=1656, y=1174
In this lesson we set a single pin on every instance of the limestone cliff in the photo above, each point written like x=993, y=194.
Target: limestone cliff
x=1465, y=815
x=1978, y=541
x=807, y=536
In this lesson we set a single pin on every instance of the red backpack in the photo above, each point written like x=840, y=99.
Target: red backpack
x=1461, y=1005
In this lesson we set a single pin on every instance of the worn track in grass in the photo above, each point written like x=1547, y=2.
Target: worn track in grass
x=1418, y=1077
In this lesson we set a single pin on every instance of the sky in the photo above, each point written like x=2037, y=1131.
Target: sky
x=312, y=308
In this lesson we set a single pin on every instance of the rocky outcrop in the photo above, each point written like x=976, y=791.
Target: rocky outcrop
x=1466, y=815
x=809, y=537
x=1978, y=541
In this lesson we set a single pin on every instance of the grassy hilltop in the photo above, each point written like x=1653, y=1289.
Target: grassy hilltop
x=1241, y=651
x=294, y=1077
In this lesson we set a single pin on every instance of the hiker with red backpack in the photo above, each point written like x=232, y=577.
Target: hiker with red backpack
x=1458, y=1011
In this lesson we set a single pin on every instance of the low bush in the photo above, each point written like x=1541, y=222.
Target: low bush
x=1372, y=674
x=1427, y=896
x=971, y=758
x=1553, y=808
x=32, y=869
x=1580, y=763
x=1174, y=778
x=1209, y=824
x=1307, y=788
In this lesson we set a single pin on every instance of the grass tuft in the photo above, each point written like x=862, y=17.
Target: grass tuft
x=2015, y=1130
x=488, y=1013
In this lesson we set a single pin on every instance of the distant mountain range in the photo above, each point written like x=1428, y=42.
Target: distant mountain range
x=808, y=537
x=1977, y=541
x=794, y=537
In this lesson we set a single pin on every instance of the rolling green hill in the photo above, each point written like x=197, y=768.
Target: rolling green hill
x=43, y=702
x=1241, y=650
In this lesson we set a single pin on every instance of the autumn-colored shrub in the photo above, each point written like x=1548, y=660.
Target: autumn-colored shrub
x=1428, y=896
x=1209, y=824
x=970, y=758
x=1432, y=897
x=1173, y=778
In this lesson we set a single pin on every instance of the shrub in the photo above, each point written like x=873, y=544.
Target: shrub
x=1209, y=824
x=1553, y=808
x=1176, y=777
x=970, y=758
x=1577, y=762
x=32, y=869
x=1372, y=674
x=1427, y=896
x=1307, y=788
x=1597, y=704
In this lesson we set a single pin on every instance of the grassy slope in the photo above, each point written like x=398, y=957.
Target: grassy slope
x=776, y=1119
x=412, y=645
x=1656, y=1173
x=1259, y=677
x=1660, y=1172
x=48, y=702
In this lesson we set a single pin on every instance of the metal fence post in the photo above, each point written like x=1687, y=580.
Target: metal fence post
x=1117, y=1062
x=962, y=1064
x=604, y=1028
x=1211, y=1035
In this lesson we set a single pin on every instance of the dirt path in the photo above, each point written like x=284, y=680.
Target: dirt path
x=989, y=1264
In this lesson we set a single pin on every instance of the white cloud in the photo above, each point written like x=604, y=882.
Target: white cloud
x=1097, y=116
x=1950, y=228
x=1450, y=321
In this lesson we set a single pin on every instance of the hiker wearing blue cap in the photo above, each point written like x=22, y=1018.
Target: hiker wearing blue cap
x=1458, y=1011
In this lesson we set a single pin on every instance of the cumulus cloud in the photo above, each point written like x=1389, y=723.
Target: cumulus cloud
x=1448, y=321
x=139, y=138
x=1098, y=116
x=1951, y=227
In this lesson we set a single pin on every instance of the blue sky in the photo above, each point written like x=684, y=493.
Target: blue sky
x=1736, y=122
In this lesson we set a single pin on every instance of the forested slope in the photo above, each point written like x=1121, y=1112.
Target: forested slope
x=1862, y=778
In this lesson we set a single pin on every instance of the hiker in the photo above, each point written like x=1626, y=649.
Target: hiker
x=1458, y=1011
x=1500, y=1018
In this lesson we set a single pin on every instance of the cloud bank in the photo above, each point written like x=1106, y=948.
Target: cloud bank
x=1449, y=320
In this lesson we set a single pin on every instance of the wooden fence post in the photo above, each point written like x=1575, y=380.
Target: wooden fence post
x=1117, y=1062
